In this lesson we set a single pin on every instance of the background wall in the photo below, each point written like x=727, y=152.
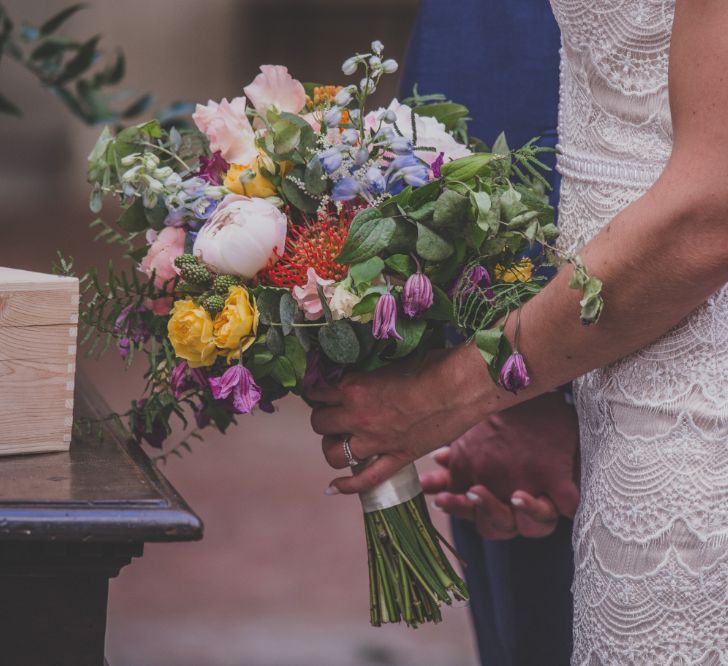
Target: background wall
x=280, y=578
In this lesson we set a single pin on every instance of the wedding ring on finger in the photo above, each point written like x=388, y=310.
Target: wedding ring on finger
x=350, y=458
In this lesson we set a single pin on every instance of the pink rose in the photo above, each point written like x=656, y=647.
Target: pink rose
x=274, y=86
x=307, y=296
x=169, y=244
x=228, y=128
x=159, y=306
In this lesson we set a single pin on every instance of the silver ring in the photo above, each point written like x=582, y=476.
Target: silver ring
x=350, y=458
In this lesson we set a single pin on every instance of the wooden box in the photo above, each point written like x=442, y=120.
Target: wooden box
x=38, y=330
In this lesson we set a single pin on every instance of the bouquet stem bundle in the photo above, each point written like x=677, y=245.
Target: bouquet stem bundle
x=409, y=574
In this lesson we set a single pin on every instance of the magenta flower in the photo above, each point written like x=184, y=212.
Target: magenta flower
x=436, y=166
x=513, y=374
x=385, y=318
x=129, y=328
x=238, y=382
x=183, y=378
x=471, y=279
x=213, y=169
x=417, y=295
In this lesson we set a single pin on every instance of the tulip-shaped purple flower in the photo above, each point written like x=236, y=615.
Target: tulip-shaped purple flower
x=129, y=329
x=513, y=374
x=417, y=295
x=238, y=382
x=471, y=279
x=385, y=318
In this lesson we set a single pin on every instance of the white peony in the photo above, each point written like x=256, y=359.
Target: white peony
x=242, y=236
x=342, y=303
x=431, y=133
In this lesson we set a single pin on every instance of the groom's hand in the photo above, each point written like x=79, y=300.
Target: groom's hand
x=514, y=473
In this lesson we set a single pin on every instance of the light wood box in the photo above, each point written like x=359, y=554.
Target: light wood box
x=38, y=331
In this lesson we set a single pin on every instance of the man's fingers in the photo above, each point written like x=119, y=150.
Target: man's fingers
x=442, y=456
x=494, y=519
x=566, y=498
x=333, y=448
x=329, y=420
x=436, y=481
x=458, y=506
x=372, y=475
x=535, y=516
x=324, y=393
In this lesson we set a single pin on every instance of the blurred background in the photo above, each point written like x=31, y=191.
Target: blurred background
x=280, y=577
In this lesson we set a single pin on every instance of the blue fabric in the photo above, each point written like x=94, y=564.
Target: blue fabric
x=500, y=58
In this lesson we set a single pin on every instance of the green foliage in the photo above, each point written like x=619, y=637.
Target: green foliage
x=339, y=342
x=591, y=302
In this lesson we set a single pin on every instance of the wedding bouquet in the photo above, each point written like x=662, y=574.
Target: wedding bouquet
x=295, y=235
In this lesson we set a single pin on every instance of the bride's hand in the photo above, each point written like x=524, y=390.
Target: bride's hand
x=398, y=413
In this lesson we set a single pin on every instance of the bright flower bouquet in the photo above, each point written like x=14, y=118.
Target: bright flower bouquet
x=297, y=236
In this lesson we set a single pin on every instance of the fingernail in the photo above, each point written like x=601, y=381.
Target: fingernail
x=474, y=498
x=517, y=501
x=332, y=490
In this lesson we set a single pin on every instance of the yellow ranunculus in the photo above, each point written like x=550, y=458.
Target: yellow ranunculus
x=520, y=272
x=191, y=334
x=236, y=325
x=259, y=185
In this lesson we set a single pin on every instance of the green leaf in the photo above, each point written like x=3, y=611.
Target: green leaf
x=274, y=340
x=339, y=342
x=449, y=114
x=424, y=194
x=367, y=270
x=55, y=22
x=442, y=306
x=467, y=168
x=296, y=354
x=286, y=136
x=296, y=197
x=404, y=237
x=314, y=176
x=423, y=213
x=268, y=302
x=432, y=246
x=550, y=232
x=592, y=302
x=510, y=203
x=77, y=65
x=284, y=372
x=52, y=47
x=368, y=235
x=402, y=264
x=451, y=209
x=137, y=107
x=411, y=331
x=366, y=305
x=324, y=303
x=488, y=342
x=134, y=218
x=288, y=311
x=6, y=106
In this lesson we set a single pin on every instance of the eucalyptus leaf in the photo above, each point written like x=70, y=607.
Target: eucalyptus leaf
x=339, y=342
x=274, y=340
x=268, y=303
x=288, y=310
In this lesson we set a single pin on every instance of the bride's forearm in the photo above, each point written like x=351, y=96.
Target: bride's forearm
x=659, y=259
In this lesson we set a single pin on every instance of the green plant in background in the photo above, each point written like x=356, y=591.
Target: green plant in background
x=75, y=72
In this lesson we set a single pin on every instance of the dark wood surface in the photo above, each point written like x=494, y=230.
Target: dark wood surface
x=68, y=523
x=103, y=490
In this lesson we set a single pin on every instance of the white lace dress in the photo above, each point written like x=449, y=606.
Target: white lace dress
x=651, y=536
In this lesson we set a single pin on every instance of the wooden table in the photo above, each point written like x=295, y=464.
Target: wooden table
x=68, y=523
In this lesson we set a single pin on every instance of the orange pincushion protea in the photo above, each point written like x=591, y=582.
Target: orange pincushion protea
x=313, y=244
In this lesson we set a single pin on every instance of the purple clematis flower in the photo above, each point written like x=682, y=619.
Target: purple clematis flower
x=436, y=166
x=213, y=168
x=385, y=318
x=183, y=378
x=470, y=280
x=129, y=329
x=514, y=375
x=238, y=382
x=320, y=371
x=417, y=295
x=202, y=418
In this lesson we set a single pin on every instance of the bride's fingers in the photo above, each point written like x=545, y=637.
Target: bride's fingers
x=457, y=506
x=535, y=516
x=374, y=474
x=494, y=519
x=436, y=481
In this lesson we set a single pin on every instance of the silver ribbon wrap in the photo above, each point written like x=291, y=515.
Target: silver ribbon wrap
x=402, y=487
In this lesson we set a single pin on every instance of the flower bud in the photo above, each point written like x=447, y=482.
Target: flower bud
x=349, y=66
x=349, y=137
x=385, y=318
x=514, y=375
x=361, y=156
x=417, y=295
x=343, y=97
x=332, y=117
x=389, y=116
x=367, y=86
x=375, y=62
x=377, y=46
x=390, y=66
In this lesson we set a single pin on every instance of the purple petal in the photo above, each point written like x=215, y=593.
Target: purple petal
x=223, y=386
x=246, y=394
x=514, y=375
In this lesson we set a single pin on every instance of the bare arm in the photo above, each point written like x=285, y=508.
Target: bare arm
x=659, y=259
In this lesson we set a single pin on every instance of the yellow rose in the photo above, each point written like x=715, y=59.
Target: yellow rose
x=190, y=332
x=520, y=272
x=259, y=185
x=237, y=324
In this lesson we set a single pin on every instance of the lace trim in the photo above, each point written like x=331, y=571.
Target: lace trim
x=610, y=172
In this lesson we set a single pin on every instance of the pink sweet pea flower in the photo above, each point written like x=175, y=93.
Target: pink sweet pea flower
x=307, y=296
x=274, y=86
x=166, y=247
x=228, y=129
x=238, y=382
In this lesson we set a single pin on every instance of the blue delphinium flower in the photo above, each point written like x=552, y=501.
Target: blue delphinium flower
x=331, y=159
x=346, y=189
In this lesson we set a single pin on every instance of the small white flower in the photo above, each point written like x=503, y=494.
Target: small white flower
x=390, y=66
x=377, y=46
x=349, y=66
